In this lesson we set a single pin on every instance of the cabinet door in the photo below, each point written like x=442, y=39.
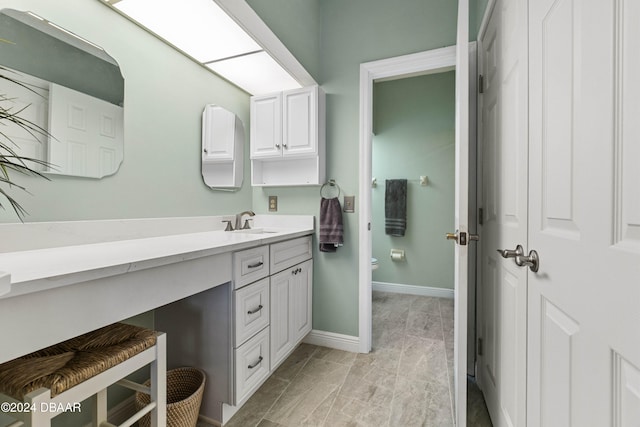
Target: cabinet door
x=218, y=134
x=281, y=334
x=301, y=300
x=266, y=126
x=300, y=125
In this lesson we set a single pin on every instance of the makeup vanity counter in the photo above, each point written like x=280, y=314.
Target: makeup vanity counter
x=68, y=278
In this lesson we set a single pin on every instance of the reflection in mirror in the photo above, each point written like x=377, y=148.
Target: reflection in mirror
x=74, y=90
x=222, y=148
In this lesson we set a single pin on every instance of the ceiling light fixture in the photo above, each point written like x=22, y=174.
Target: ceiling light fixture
x=203, y=31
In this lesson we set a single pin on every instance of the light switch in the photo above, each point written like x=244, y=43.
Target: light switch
x=349, y=204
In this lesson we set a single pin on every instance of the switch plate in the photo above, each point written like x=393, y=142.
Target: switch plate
x=273, y=203
x=349, y=204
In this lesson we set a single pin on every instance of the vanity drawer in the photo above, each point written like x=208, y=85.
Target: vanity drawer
x=289, y=253
x=250, y=265
x=251, y=310
x=251, y=365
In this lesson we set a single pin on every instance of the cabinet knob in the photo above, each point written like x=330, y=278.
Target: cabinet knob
x=278, y=146
x=284, y=145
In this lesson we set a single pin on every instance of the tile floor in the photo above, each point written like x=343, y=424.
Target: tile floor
x=405, y=381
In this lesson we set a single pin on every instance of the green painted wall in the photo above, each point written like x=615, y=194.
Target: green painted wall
x=351, y=32
x=302, y=32
x=165, y=94
x=414, y=126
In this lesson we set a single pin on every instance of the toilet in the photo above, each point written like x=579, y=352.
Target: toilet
x=374, y=263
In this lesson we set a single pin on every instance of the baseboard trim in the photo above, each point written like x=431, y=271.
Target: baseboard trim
x=333, y=340
x=426, y=291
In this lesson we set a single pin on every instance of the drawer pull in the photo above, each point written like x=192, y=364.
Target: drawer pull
x=257, y=264
x=256, y=310
x=296, y=271
x=255, y=364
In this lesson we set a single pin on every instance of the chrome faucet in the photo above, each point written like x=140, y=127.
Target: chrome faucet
x=246, y=225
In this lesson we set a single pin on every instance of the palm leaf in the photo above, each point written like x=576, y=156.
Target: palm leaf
x=10, y=161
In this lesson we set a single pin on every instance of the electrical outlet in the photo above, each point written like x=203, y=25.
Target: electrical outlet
x=273, y=203
x=349, y=204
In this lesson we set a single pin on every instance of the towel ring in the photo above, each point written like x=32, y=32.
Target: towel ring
x=331, y=183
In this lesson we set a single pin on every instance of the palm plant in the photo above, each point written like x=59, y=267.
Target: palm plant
x=10, y=161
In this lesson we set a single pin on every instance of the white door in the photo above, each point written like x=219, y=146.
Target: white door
x=461, y=221
x=584, y=314
x=503, y=64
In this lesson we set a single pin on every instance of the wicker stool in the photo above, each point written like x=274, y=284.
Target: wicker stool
x=44, y=384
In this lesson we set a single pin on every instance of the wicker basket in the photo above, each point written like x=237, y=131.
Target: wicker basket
x=184, y=395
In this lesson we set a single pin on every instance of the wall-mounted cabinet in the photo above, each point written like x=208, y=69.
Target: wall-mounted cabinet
x=288, y=138
x=222, y=148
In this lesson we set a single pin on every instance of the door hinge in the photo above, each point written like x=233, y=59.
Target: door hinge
x=480, y=216
x=479, y=346
x=480, y=83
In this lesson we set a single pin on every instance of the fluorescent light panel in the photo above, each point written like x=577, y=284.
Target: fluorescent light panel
x=198, y=27
x=257, y=73
x=201, y=29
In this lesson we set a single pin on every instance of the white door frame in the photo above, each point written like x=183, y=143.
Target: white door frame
x=429, y=62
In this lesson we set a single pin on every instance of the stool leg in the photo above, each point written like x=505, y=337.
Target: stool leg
x=159, y=383
x=40, y=416
x=100, y=407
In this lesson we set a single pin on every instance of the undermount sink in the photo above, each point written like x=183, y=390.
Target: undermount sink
x=254, y=231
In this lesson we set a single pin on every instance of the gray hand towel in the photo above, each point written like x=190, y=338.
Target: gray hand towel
x=331, y=232
x=395, y=207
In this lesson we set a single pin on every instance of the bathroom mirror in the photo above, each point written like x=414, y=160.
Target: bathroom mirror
x=71, y=88
x=222, y=148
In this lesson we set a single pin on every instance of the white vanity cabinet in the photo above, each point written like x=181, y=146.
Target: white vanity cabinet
x=288, y=138
x=240, y=332
x=272, y=311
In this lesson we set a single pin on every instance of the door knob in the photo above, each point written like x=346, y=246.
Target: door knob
x=452, y=236
x=532, y=261
x=508, y=253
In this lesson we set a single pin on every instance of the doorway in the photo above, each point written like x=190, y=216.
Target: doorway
x=430, y=62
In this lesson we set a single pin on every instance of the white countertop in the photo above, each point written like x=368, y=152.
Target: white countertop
x=46, y=268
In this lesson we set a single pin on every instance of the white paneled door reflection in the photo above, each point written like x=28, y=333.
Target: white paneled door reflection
x=87, y=136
